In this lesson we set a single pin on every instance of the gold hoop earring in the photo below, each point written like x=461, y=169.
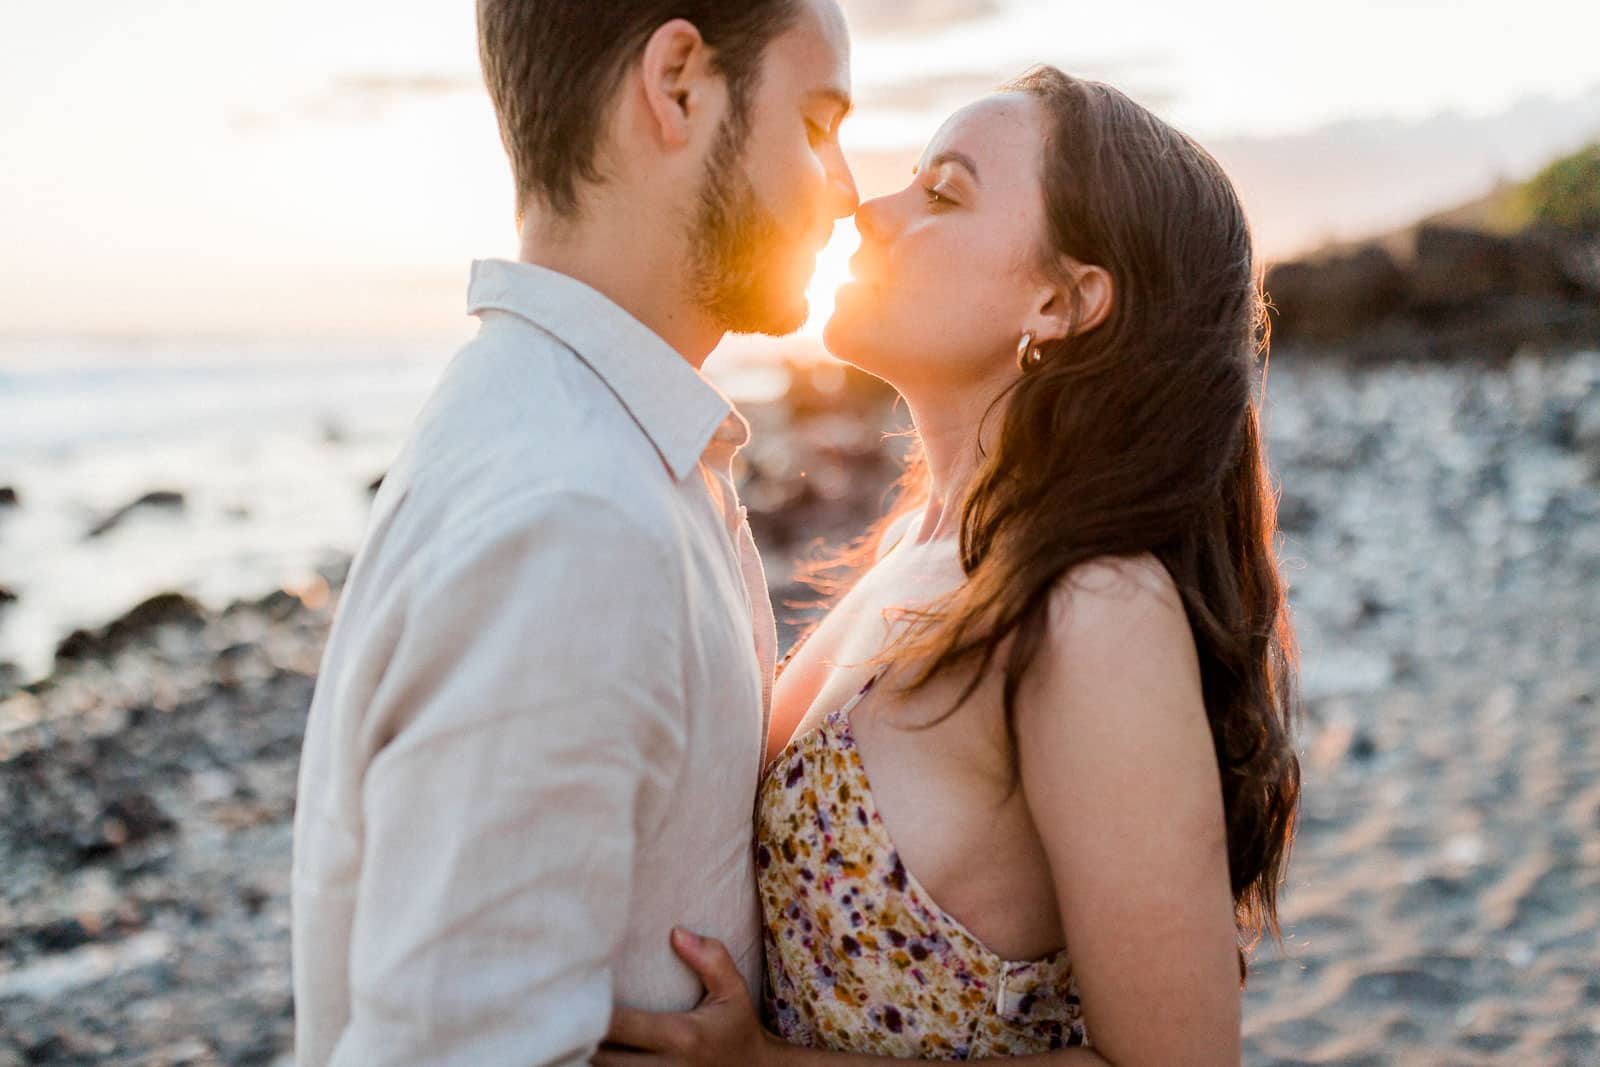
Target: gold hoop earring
x=1028, y=356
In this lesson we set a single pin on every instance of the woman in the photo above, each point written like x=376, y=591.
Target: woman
x=1031, y=784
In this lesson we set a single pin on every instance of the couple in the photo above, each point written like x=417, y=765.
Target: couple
x=1026, y=789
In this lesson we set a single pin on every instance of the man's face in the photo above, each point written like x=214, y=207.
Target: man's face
x=769, y=198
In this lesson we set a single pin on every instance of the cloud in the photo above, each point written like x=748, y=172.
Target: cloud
x=1357, y=178
x=397, y=87
x=898, y=17
x=924, y=91
x=354, y=99
x=946, y=91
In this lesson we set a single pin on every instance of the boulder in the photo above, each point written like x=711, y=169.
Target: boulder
x=1461, y=269
x=163, y=609
x=8, y=497
x=167, y=499
x=1335, y=296
x=1457, y=268
x=1585, y=429
x=125, y=821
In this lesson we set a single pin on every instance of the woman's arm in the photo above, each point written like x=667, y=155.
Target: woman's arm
x=1119, y=771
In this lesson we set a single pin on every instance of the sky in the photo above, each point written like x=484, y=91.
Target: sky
x=331, y=167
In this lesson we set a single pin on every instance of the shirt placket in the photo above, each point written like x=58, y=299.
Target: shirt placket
x=746, y=560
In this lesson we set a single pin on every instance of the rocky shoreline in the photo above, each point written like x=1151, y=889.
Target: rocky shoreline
x=1443, y=292
x=1443, y=551
x=149, y=780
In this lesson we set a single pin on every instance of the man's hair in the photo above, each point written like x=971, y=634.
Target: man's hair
x=552, y=68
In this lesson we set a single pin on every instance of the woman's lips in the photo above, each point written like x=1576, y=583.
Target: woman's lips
x=860, y=271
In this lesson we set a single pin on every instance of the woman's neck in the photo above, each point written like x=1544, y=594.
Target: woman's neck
x=949, y=429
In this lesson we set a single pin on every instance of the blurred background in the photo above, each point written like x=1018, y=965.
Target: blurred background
x=234, y=242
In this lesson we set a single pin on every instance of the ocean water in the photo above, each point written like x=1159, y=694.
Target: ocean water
x=272, y=444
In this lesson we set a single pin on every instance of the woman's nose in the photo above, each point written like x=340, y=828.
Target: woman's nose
x=872, y=220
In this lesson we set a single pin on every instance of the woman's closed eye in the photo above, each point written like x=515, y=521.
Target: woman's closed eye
x=936, y=198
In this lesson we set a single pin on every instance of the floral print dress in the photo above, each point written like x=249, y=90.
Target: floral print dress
x=859, y=956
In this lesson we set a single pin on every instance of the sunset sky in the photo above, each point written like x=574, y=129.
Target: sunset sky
x=331, y=167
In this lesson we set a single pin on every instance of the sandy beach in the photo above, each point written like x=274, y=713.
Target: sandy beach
x=1443, y=903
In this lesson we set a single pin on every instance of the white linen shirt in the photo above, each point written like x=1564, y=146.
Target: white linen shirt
x=539, y=721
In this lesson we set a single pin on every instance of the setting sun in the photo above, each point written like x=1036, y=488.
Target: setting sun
x=833, y=270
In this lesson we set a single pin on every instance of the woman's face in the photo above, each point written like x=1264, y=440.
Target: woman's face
x=947, y=278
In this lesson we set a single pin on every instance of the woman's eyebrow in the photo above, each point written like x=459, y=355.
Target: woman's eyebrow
x=954, y=157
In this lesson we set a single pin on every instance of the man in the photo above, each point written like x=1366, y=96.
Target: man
x=536, y=735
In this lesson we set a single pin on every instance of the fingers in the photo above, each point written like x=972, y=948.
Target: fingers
x=711, y=961
x=632, y=1028
x=659, y=1033
x=610, y=1057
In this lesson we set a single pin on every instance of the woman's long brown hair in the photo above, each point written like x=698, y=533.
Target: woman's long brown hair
x=1139, y=436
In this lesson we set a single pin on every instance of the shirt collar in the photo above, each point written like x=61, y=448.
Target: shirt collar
x=676, y=406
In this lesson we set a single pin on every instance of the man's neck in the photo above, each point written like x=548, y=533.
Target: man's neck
x=623, y=254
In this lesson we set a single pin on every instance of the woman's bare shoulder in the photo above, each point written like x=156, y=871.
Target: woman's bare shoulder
x=1116, y=592
x=1118, y=636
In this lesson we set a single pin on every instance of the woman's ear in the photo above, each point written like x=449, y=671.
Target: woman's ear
x=1078, y=306
x=675, y=68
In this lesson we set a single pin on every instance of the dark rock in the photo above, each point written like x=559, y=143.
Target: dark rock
x=1362, y=747
x=8, y=497
x=1457, y=268
x=44, y=1045
x=1297, y=514
x=1586, y=429
x=279, y=605
x=1461, y=294
x=1460, y=269
x=1335, y=296
x=123, y=822
x=377, y=483
x=1558, y=424
x=7, y=595
x=163, y=609
x=161, y=498
x=1581, y=260
x=79, y=645
x=1416, y=988
x=63, y=935
x=254, y=898
x=1370, y=609
x=1544, y=264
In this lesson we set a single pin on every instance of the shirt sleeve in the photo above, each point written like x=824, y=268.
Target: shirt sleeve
x=524, y=735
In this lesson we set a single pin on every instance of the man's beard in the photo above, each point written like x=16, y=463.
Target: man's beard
x=742, y=262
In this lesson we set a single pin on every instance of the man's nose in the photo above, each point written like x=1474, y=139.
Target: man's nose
x=843, y=199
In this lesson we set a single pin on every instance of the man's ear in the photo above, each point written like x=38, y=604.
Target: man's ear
x=678, y=81
x=1077, y=306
